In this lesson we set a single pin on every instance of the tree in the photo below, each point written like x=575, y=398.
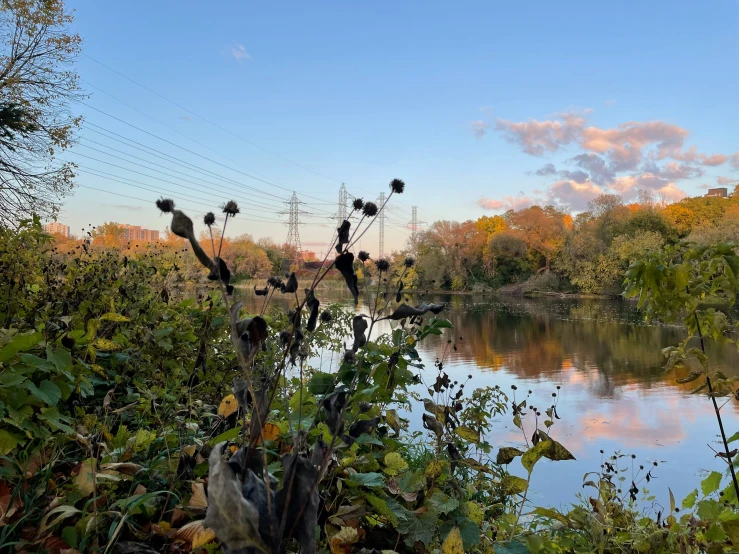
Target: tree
x=108, y=235
x=542, y=229
x=37, y=86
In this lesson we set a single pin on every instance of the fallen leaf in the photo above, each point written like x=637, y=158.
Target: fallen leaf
x=196, y=533
x=198, y=498
x=84, y=480
x=127, y=468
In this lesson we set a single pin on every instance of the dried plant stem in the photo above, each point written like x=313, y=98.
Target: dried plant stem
x=717, y=410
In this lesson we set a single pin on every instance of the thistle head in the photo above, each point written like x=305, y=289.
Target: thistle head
x=230, y=208
x=358, y=204
x=166, y=205
x=363, y=256
x=382, y=264
x=209, y=219
x=397, y=186
x=409, y=262
x=369, y=209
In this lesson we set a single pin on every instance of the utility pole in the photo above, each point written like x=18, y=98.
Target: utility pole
x=381, y=219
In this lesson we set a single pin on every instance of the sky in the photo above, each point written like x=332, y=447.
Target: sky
x=478, y=106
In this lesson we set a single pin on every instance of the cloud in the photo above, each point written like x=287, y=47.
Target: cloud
x=508, y=203
x=574, y=194
x=734, y=160
x=622, y=159
x=487, y=110
x=479, y=128
x=538, y=137
x=608, y=103
x=704, y=186
x=239, y=52
x=723, y=181
x=546, y=169
x=126, y=207
x=186, y=118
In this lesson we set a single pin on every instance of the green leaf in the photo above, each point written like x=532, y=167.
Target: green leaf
x=470, y=533
x=60, y=357
x=10, y=378
x=321, y=383
x=56, y=420
x=47, y=392
x=440, y=323
x=535, y=453
x=557, y=452
x=382, y=508
x=513, y=547
x=7, y=442
x=672, y=501
x=552, y=514
x=709, y=510
x=513, y=485
x=507, y=454
x=734, y=437
x=442, y=504
x=467, y=433
x=371, y=479
x=364, y=438
x=689, y=501
x=715, y=533
x=225, y=436
x=20, y=343
x=710, y=484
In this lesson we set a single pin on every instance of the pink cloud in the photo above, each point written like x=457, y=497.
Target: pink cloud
x=671, y=192
x=734, y=159
x=723, y=181
x=574, y=194
x=704, y=186
x=507, y=203
x=538, y=137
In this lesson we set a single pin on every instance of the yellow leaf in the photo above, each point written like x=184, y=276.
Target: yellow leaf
x=198, y=498
x=196, y=533
x=434, y=468
x=271, y=432
x=98, y=369
x=189, y=449
x=453, y=543
x=341, y=542
x=394, y=463
x=106, y=345
x=228, y=406
x=467, y=433
x=112, y=316
x=85, y=481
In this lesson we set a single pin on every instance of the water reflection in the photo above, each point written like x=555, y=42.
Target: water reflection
x=615, y=394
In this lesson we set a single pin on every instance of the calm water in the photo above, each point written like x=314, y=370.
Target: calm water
x=615, y=396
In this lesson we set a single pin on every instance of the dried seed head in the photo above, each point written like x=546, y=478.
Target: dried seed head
x=363, y=256
x=397, y=186
x=370, y=209
x=409, y=262
x=209, y=219
x=164, y=204
x=230, y=208
x=358, y=204
x=382, y=264
x=326, y=316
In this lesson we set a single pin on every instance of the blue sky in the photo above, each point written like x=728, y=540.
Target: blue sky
x=443, y=95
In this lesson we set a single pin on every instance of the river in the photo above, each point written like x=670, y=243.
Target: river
x=614, y=396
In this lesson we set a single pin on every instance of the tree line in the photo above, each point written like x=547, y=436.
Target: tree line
x=546, y=248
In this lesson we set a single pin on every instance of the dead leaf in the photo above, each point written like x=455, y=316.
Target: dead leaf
x=140, y=489
x=341, y=542
x=195, y=533
x=178, y=516
x=84, y=480
x=198, y=498
x=127, y=468
x=234, y=519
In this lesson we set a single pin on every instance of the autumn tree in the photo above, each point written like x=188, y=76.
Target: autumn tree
x=109, y=235
x=37, y=88
x=542, y=229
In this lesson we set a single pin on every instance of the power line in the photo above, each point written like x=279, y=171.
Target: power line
x=199, y=183
x=209, y=121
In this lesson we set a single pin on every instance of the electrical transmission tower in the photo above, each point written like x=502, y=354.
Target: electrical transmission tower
x=415, y=225
x=343, y=198
x=293, y=214
x=381, y=219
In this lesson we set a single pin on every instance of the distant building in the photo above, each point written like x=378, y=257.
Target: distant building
x=136, y=233
x=721, y=192
x=57, y=229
